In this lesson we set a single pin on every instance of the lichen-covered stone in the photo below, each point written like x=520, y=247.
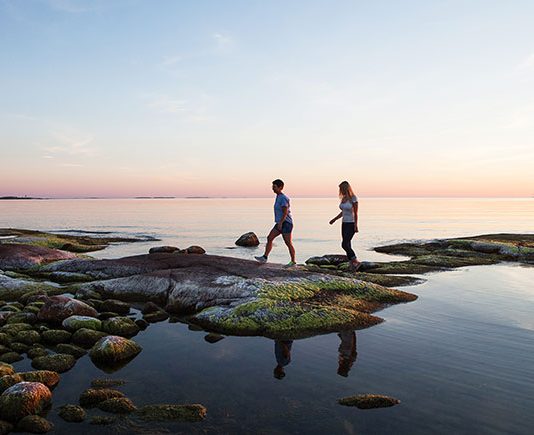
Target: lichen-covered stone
x=47, y=377
x=34, y=352
x=28, y=337
x=34, y=424
x=19, y=347
x=72, y=413
x=73, y=323
x=22, y=317
x=123, y=326
x=56, y=336
x=58, y=362
x=22, y=399
x=117, y=405
x=7, y=381
x=114, y=349
x=93, y=396
x=163, y=412
x=71, y=349
x=87, y=337
x=369, y=401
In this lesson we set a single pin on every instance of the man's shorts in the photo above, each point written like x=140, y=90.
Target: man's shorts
x=287, y=227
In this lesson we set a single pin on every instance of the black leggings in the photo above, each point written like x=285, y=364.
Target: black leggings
x=347, y=233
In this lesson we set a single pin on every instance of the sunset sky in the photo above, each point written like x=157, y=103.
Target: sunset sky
x=218, y=98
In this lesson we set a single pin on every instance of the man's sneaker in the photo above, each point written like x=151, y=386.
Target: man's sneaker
x=290, y=264
x=261, y=259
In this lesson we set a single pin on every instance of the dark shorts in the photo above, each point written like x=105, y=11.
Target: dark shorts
x=287, y=227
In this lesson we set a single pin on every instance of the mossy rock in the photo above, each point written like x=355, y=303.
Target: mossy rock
x=369, y=401
x=72, y=413
x=32, y=309
x=11, y=357
x=142, y=324
x=35, y=352
x=405, y=268
x=164, y=412
x=22, y=399
x=11, y=308
x=6, y=369
x=6, y=427
x=47, y=377
x=22, y=317
x=87, y=337
x=93, y=396
x=4, y=349
x=34, y=424
x=71, y=349
x=123, y=326
x=73, y=323
x=29, y=296
x=7, y=381
x=28, y=337
x=117, y=405
x=56, y=336
x=156, y=316
x=5, y=339
x=14, y=328
x=106, y=383
x=102, y=420
x=58, y=362
x=19, y=347
x=115, y=306
x=113, y=349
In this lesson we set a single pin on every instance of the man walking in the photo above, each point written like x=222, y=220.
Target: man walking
x=283, y=224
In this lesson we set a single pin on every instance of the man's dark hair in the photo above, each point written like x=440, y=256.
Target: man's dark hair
x=278, y=183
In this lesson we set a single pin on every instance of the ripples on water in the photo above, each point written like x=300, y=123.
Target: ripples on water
x=460, y=358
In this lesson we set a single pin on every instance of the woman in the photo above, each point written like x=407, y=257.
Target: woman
x=349, y=226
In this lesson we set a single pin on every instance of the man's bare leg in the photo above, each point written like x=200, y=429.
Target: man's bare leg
x=290, y=247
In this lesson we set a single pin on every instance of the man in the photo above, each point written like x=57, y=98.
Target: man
x=283, y=224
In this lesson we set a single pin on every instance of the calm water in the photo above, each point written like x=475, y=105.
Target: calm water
x=460, y=358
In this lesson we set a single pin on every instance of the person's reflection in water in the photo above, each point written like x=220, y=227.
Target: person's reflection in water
x=282, y=351
x=347, y=352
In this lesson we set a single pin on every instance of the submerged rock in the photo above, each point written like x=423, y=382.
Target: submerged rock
x=248, y=239
x=369, y=401
x=103, y=420
x=163, y=412
x=72, y=413
x=106, y=383
x=34, y=424
x=117, y=405
x=22, y=399
x=213, y=338
x=114, y=349
x=93, y=396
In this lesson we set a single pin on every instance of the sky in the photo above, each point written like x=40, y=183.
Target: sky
x=119, y=98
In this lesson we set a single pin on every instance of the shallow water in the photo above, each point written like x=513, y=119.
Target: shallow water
x=460, y=358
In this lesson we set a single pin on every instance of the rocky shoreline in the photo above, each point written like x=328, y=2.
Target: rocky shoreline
x=57, y=305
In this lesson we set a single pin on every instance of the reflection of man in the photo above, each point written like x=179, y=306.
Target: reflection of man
x=347, y=352
x=282, y=352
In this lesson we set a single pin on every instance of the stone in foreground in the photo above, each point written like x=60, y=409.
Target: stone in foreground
x=22, y=399
x=114, y=349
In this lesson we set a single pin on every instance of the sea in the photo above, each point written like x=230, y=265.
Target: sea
x=460, y=358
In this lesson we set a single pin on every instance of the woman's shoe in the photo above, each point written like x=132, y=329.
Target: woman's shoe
x=355, y=265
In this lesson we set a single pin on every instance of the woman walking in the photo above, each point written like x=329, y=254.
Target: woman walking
x=349, y=225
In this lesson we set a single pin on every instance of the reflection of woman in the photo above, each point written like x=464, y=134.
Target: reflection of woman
x=349, y=226
x=347, y=352
x=282, y=352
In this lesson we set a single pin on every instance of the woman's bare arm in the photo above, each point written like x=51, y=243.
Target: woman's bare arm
x=336, y=218
x=355, y=209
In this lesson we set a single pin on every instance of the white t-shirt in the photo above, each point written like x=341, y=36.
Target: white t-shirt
x=348, y=211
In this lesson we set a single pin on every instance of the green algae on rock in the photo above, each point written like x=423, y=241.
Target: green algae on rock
x=123, y=326
x=71, y=349
x=34, y=424
x=58, y=362
x=114, y=349
x=73, y=323
x=22, y=399
x=163, y=412
x=56, y=336
x=369, y=401
x=72, y=413
x=93, y=396
x=87, y=337
x=117, y=405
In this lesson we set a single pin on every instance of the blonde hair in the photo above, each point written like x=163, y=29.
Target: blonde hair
x=345, y=191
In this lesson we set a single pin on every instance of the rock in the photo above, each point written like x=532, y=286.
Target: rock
x=195, y=250
x=34, y=424
x=6, y=369
x=34, y=352
x=93, y=396
x=31, y=296
x=142, y=324
x=22, y=317
x=157, y=316
x=4, y=339
x=106, y=383
x=72, y=413
x=7, y=381
x=123, y=326
x=163, y=249
x=117, y=405
x=107, y=315
x=115, y=306
x=22, y=399
x=102, y=420
x=87, y=337
x=114, y=349
x=73, y=323
x=11, y=357
x=28, y=337
x=47, y=377
x=163, y=412
x=5, y=427
x=58, y=308
x=56, y=336
x=21, y=256
x=71, y=349
x=213, y=338
x=248, y=239
x=369, y=401
x=58, y=362
x=19, y=347
x=150, y=307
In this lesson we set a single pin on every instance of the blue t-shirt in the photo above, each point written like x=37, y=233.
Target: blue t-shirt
x=281, y=201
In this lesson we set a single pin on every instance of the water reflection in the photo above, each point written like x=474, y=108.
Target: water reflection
x=347, y=354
